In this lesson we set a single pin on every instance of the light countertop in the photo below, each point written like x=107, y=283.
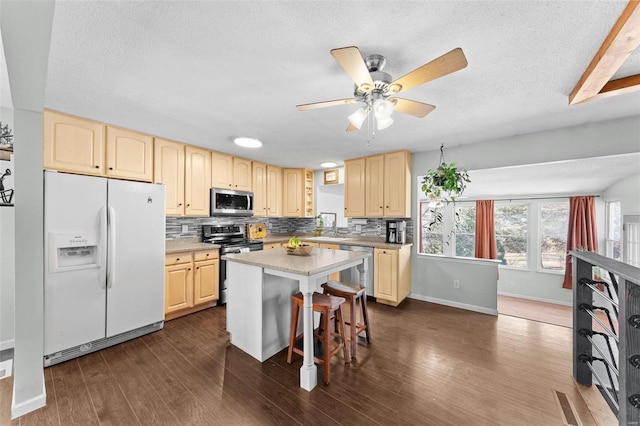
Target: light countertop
x=187, y=244
x=318, y=261
x=350, y=240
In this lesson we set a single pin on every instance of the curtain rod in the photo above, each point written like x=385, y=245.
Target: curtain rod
x=524, y=199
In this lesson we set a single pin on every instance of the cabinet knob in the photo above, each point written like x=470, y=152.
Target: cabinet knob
x=177, y=259
x=197, y=267
x=229, y=184
x=207, y=254
x=189, y=269
x=179, y=204
x=97, y=167
x=110, y=168
x=188, y=205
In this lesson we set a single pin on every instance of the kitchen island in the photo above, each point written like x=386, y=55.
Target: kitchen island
x=261, y=284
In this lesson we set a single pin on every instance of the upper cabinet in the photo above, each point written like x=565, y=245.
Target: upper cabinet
x=230, y=172
x=297, y=188
x=129, y=155
x=73, y=144
x=77, y=145
x=168, y=168
x=274, y=191
x=197, y=181
x=259, y=189
x=378, y=186
x=354, y=187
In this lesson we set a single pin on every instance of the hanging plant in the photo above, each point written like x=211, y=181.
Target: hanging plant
x=442, y=186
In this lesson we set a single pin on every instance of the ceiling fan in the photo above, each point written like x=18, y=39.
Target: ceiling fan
x=377, y=90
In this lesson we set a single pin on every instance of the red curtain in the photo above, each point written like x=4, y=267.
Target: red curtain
x=485, y=230
x=582, y=232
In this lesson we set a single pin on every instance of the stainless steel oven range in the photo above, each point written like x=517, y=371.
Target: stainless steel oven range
x=231, y=240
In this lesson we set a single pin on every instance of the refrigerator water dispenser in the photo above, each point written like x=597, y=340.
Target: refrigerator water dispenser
x=71, y=251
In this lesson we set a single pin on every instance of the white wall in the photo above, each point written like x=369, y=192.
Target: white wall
x=627, y=191
x=586, y=141
x=7, y=277
x=26, y=35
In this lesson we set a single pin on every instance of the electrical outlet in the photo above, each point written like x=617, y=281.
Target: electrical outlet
x=358, y=228
x=379, y=228
x=185, y=229
x=456, y=283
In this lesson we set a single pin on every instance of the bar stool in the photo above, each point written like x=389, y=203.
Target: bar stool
x=353, y=293
x=330, y=308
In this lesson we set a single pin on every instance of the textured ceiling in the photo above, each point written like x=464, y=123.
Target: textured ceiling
x=204, y=72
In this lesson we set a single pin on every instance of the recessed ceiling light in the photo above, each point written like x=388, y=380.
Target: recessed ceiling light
x=248, y=142
x=328, y=164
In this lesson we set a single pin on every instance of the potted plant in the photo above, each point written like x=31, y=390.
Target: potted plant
x=443, y=185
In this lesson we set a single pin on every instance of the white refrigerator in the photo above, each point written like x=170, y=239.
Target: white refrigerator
x=104, y=245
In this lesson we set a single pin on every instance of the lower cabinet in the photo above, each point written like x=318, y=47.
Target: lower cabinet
x=391, y=275
x=191, y=282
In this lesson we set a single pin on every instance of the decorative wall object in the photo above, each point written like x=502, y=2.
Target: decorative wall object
x=6, y=195
x=330, y=176
x=6, y=142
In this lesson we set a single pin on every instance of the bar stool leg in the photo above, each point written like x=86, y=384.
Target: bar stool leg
x=365, y=316
x=345, y=348
x=294, y=329
x=327, y=350
x=353, y=319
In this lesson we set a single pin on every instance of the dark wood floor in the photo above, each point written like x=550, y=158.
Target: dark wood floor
x=426, y=364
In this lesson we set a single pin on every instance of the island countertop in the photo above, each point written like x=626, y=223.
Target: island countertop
x=318, y=261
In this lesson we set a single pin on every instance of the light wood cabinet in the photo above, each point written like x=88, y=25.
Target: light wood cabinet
x=230, y=172
x=259, y=172
x=270, y=246
x=129, y=155
x=191, y=282
x=391, y=275
x=274, y=191
x=374, y=186
x=168, y=168
x=354, y=188
x=297, y=188
x=197, y=181
x=378, y=186
x=178, y=279
x=397, y=184
x=73, y=144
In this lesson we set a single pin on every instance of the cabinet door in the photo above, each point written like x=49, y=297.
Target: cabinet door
x=336, y=275
x=129, y=155
x=221, y=170
x=259, y=189
x=274, y=191
x=292, y=188
x=197, y=182
x=178, y=293
x=73, y=144
x=241, y=174
x=354, y=185
x=205, y=281
x=168, y=168
x=308, y=193
x=397, y=184
x=374, y=186
x=385, y=274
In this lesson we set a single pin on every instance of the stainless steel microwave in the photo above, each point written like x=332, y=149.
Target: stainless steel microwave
x=227, y=202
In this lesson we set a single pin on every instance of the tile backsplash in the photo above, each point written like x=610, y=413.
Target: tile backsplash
x=174, y=225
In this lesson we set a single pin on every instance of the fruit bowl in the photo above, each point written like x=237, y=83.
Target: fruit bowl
x=301, y=250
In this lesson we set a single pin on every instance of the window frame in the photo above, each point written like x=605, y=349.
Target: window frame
x=527, y=203
x=538, y=248
x=609, y=242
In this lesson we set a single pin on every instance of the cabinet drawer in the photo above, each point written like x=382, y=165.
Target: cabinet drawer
x=272, y=245
x=177, y=258
x=206, y=255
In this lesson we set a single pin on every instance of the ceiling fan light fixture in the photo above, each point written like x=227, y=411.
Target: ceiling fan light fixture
x=357, y=118
x=382, y=109
x=384, y=123
x=247, y=142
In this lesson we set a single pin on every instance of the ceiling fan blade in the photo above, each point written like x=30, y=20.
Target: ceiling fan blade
x=351, y=128
x=439, y=67
x=351, y=61
x=324, y=104
x=417, y=109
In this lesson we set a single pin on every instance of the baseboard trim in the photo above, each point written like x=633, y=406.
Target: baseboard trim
x=451, y=303
x=38, y=401
x=537, y=299
x=7, y=344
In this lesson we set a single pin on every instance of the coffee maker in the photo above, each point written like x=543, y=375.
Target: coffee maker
x=396, y=231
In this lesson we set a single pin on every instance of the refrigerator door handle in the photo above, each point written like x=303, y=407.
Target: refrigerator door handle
x=111, y=242
x=103, y=234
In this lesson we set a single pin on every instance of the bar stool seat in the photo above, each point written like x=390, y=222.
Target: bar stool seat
x=352, y=293
x=330, y=308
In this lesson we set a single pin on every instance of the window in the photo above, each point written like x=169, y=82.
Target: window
x=553, y=219
x=431, y=240
x=613, y=230
x=466, y=231
x=511, y=225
